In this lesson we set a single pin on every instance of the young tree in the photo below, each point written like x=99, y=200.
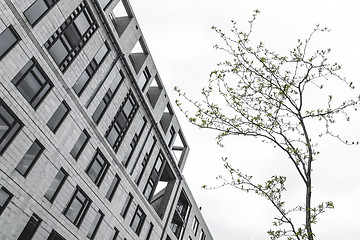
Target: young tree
x=267, y=96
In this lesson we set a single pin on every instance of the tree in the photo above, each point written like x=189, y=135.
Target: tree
x=266, y=96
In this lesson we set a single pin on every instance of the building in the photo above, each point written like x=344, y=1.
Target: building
x=90, y=147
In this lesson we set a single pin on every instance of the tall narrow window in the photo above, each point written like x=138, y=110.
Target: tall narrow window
x=66, y=43
x=8, y=39
x=134, y=142
x=91, y=69
x=122, y=121
x=138, y=220
x=30, y=158
x=202, y=235
x=33, y=83
x=112, y=189
x=80, y=144
x=127, y=204
x=105, y=102
x=58, y=117
x=77, y=207
x=5, y=198
x=144, y=79
x=95, y=225
x=145, y=161
x=56, y=185
x=154, y=177
x=195, y=225
x=150, y=231
x=115, y=234
x=30, y=228
x=97, y=168
x=10, y=125
x=38, y=9
x=55, y=236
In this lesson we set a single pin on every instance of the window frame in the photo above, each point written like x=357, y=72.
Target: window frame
x=54, y=235
x=94, y=227
x=49, y=7
x=83, y=210
x=83, y=145
x=113, y=187
x=142, y=216
x=59, y=122
x=24, y=235
x=58, y=188
x=33, y=161
x=127, y=205
x=20, y=78
x=9, y=48
x=10, y=195
x=104, y=167
x=15, y=124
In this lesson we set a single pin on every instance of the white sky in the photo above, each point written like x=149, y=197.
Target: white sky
x=180, y=40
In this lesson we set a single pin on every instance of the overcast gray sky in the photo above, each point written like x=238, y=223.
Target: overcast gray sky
x=180, y=40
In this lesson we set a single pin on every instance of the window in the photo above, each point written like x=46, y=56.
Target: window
x=77, y=207
x=145, y=161
x=105, y=102
x=65, y=44
x=138, y=220
x=97, y=168
x=144, y=79
x=149, y=189
x=134, y=142
x=5, y=198
x=10, y=125
x=80, y=144
x=56, y=185
x=115, y=234
x=150, y=231
x=55, y=236
x=30, y=228
x=91, y=69
x=95, y=225
x=8, y=39
x=195, y=225
x=58, y=117
x=202, y=235
x=154, y=177
x=111, y=192
x=32, y=83
x=38, y=9
x=30, y=158
x=127, y=204
x=122, y=121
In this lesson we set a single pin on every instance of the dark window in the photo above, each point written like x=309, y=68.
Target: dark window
x=30, y=228
x=154, y=177
x=145, y=161
x=58, y=117
x=134, y=142
x=77, y=207
x=5, y=197
x=65, y=44
x=104, y=3
x=10, y=125
x=32, y=83
x=112, y=189
x=115, y=234
x=91, y=69
x=150, y=231
x=122, y=121
x=80, y=144
x=8, y=39
x=138, y=220
x=55, y=236
x=195, y=225
x=95, y=225
x=202, y=235
x=127, y=204
x=105, y=102
x=97, y=168
x=149, y=189
x=30, y=158
x=56, y=185
x=144, y=79
x=38, y=9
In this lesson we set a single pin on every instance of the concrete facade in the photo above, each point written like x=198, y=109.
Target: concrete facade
x=52, y=194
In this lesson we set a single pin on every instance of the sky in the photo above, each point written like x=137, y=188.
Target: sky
x=180, y=40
